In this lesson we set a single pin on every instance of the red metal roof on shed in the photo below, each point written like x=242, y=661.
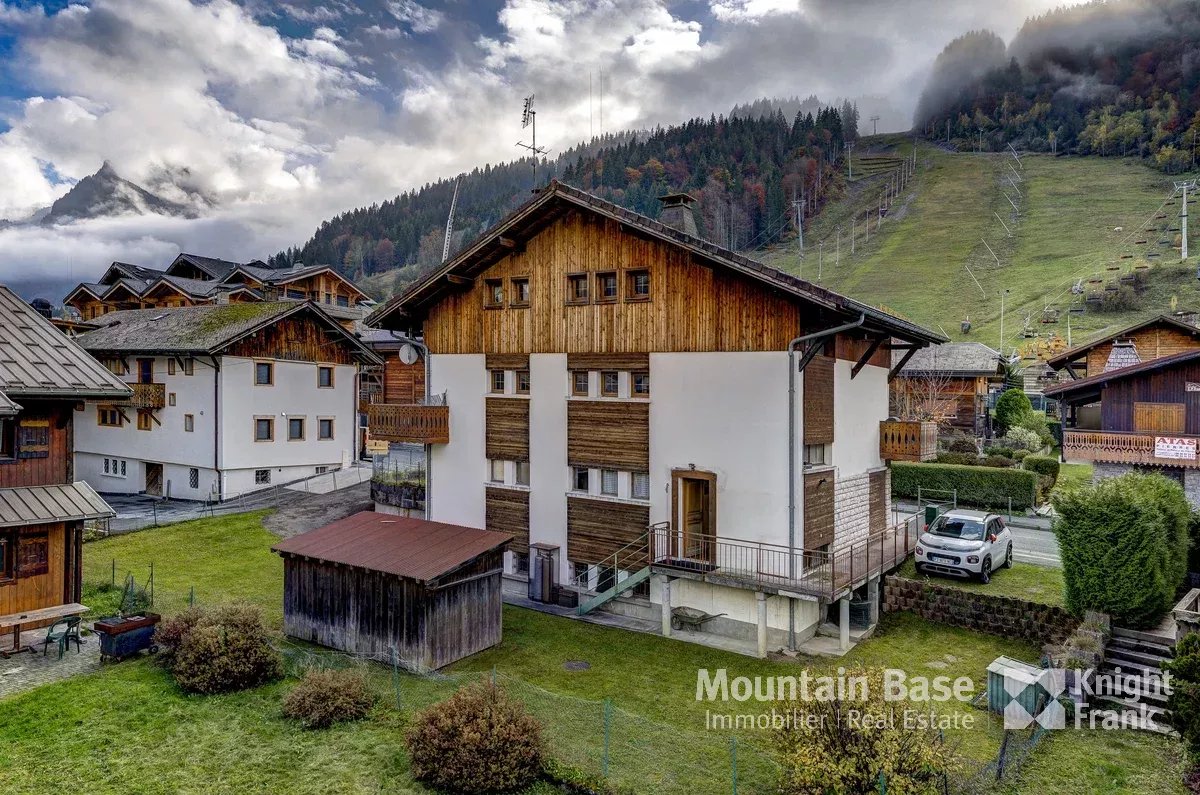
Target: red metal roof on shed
x=399, y=545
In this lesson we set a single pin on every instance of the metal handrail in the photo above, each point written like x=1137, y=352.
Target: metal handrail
x=636, y=554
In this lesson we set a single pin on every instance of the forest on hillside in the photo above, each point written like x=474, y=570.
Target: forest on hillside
x=1117, y=78
x=746, y=171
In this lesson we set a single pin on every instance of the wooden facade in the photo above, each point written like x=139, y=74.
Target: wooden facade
x=42, y=446
x=818, y=508
x=507, y=511
x=611, y=434
x=877, y=500
x=507, y=429
x=952, y=401
x=297, y=338
x=818, y=400
x=402, y=383
x=598, y=529
x=1158, y=400
x=1153, y=342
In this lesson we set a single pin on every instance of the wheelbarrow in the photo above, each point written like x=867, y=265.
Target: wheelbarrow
x=690, y=618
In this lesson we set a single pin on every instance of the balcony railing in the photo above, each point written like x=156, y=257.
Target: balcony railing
x=905, y=440
x=402, y=422
x=149, y=396
x=825, y=574
x=1131, y=448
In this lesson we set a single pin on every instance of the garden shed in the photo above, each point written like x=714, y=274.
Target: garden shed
x=372, y=582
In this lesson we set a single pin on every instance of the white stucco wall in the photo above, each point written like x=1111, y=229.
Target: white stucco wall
x=859, y=406
x=549, y=477
x=458, y=470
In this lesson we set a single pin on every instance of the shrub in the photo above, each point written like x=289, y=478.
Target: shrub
x=324, y=697
x=1124, y=546
x=1018, y=455
x=963, y=444
x=478, y=740
x=823, y=752
x=1007, y=452
x=1194, y=549
x=985, y=487
x=1043, y=465
x=219, y=649
x=1022, y=439
x=1184, y=701
x=1036, y=423
x=957, y=458
x=1011, y=408
x=997, y=461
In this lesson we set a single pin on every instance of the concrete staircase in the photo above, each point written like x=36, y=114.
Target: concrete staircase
x=1136, y=652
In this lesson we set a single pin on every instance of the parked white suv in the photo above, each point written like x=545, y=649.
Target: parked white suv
x=965, y=544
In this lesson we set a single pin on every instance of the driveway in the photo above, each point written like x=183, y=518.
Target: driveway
x=1032, y=542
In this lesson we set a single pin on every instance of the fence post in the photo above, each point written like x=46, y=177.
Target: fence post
x=151, y=583
x=733, y=761
x=1002, y=757
x=396, y=676
x=114, y=572
x=607, y=732
x=1010, y=509
x=154, y=508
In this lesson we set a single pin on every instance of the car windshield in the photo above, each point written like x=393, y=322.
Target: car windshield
x=957, y=527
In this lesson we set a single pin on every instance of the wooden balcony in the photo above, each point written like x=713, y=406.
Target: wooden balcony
x=905, y=440
x=399, y=422
x=1169, y=450
x=148, y=396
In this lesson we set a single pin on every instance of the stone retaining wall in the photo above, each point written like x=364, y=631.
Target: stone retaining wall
x=995, y=615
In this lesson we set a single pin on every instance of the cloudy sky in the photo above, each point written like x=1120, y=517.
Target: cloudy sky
x=278, y=115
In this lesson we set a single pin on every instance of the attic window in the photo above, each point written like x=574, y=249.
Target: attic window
x=494, y=297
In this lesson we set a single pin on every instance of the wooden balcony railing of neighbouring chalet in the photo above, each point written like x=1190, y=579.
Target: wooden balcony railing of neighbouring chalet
x=148, y=396
x=907, y=440
x=427, y=423
x=1131, y=448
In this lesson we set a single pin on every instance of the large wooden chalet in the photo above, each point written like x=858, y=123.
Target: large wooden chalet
x=949, y=385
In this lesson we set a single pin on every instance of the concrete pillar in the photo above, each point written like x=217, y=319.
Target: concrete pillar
x=873, y=597
x=762, y=624
x=666, y=607
x=844, y=623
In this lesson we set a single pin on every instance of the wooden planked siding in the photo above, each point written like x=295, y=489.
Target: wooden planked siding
x=692, y=307
x=49, y=589
x=507, y=511
x=402, y=383
x=298, y=339
x=1159, y=417
x=597, y=529
x=56, y=467
x=507, y=432
x=609, y=433
x=1154, y=342
x=818, y=508
x=608, y=361
x=850, y=346
x=507, y=361
x=1168, y=385
x=877, y=495
x=818, y=400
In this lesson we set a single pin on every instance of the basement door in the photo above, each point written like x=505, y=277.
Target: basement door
x=695, y=498
x=154, y=479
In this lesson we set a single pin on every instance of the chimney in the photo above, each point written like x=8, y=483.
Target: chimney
x=677, y=213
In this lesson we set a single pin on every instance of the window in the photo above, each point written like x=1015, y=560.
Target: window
x=189, y=366
x=264, y=429
x=116, y=366
x=520, y=292
x=324, y=428
x=498, y=382
x=193, y=478
x=522, y=382
x=522, y=473
x=637, y=285
x=343, y=301
x=262, y=477
x=496, y=471
x=814, y=455
x=579, y=383
x=577, y=288
x=579, y=479
x=325, y=378
x=495, y=293
x=609, y=383
x=170, y=367
x=322, y=470
x=295, y=429
x=122, y=469
x=144, y=420
x=606, y=286
x=108, y=417
x=106, y=466
x=170, y=398
x=520, y=562
x=114, y=467
x=189, y=423
x=264, y=373
x=640, y=383
x=7, y=557
x=608, y=482
x=8, y=437
x=641, y=486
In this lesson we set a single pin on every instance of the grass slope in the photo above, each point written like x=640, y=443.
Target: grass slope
x=1042, y=584
x=1071, y=208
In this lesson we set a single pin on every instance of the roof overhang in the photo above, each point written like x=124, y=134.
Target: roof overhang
x=1075, y=391
x=69, y=502
x=81, y=288
x=1070, y=356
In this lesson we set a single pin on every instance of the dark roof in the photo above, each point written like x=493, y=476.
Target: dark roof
x=132, y=271
x=38, y=360
x=206, y=328
x=952, y=358
x=527, y=220
x=1100, y=379
x=1061, y=360
x=216, y=268
x=414, y=548
x=40, y=504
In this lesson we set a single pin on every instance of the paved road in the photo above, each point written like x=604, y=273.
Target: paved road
x=1035, y=546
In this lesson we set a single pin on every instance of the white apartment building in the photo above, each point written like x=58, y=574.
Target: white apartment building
x=228, y=399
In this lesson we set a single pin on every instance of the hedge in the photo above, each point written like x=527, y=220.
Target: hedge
x=986, y=487
x=1043, y=465
x=1124, y=546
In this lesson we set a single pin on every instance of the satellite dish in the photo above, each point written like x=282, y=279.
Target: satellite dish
x=409, y=353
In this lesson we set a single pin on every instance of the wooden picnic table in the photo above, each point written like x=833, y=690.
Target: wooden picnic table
x=15, y=620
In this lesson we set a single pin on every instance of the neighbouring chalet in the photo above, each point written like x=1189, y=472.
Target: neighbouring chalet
x=400, y=381
x=374, y=584
x=227, y=399
x=1134, y=402
x=634, y=404
x=44, y=379
x=192, y=280
x=949, y=385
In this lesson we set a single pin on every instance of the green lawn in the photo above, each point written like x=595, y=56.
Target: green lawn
x=133, y=730
x=1042, y=584
x=1095, y=762
x=1070, y=475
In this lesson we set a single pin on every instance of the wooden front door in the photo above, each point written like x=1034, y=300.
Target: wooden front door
x=695, y=498
x=154, y=479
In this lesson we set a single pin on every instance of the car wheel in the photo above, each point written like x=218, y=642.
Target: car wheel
x=985, y=571
x=1008, y=556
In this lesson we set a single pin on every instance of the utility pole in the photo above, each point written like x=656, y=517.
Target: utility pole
x=850, y=158
x=798, y=207
x=837, y=250
x=868, y=219
x=1183, y=217
x=874, y=125
x=980, y=140
x=820, y=258
x=1002, y=294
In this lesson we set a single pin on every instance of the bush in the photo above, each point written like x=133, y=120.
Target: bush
x=963, y=444
x=1184, y=701
x=1022, y=439
x=1124, y=545
x=219, y=649
x=985, y=487
x=1012, y=407
x=957, y=458
x=323, y=698
x=1194, y=535
x=1018, y=455
x=823, y=752
x=1036, y=423
x=1043, y=465
x=997, y=461
x=478, y=740
x=1007, y=452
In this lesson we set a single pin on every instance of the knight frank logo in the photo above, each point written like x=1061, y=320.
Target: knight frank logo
x=1033, y=698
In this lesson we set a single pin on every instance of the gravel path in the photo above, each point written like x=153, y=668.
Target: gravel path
x=299, y=513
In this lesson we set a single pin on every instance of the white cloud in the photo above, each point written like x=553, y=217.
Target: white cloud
x=751, y=10
x=386, y=33
x=417, y=16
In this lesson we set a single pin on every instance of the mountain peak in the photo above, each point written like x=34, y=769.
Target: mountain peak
x=107, y=193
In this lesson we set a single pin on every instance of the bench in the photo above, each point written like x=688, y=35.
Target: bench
x=16, y=620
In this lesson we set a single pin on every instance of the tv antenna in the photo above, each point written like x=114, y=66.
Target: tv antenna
x=529, y=119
